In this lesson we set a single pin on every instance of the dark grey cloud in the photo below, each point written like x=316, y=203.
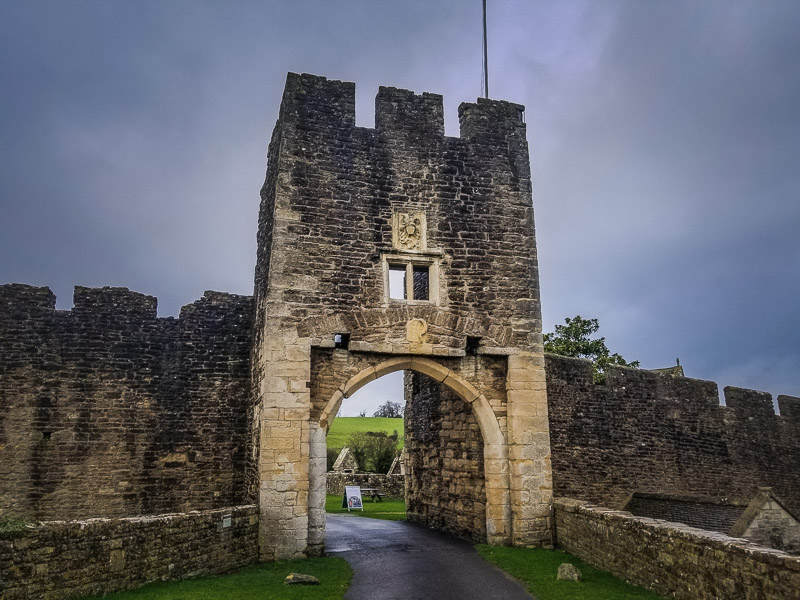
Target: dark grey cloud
x=665, y=141
x=677, y=205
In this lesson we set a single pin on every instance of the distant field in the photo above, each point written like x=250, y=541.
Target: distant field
x=342, y=427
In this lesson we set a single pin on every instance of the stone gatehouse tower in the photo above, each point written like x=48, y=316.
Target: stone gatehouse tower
x=398, y=248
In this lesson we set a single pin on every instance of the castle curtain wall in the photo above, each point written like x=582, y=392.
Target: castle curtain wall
x=652, y=433
x=107, y=410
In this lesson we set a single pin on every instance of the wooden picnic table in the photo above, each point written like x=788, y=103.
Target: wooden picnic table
x=373, y=493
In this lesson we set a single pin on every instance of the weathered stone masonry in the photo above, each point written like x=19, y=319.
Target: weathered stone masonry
x=109, y=411
x=650, y=433
x=95, y=557
x=446, y=481
x=674, y=560
x=338, y=206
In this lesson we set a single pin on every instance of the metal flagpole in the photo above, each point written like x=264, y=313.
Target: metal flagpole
x=485, y=56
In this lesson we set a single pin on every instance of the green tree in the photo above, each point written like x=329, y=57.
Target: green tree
x=374, y=451
x=358, y=443
x=575, y=339
x=391, y=410
x=383, y=449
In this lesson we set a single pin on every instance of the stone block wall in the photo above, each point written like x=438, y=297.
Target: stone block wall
x=674, y=560
x=107, y=410
x=768, y=523
x=659, y=434
x=332, y=188
x=444, y=469
x=74, y=559
x=392, y=485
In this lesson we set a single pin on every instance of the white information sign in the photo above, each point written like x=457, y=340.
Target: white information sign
x=351, y=500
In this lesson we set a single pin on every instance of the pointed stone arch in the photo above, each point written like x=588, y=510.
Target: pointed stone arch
x=495, y=449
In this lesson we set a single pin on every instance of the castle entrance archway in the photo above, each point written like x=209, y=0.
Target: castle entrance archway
x=432, y=386
x=498, y=391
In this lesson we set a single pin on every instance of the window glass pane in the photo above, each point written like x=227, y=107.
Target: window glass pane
x=397, y=282
x=421, y=291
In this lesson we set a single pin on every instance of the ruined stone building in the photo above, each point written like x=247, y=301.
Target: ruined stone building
x=379, y=249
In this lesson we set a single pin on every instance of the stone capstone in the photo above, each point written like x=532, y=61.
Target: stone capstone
x=568, y=572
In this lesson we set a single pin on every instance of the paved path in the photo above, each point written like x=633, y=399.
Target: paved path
x=395, y=560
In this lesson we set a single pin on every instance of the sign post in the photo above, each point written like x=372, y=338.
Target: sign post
x=351, y=499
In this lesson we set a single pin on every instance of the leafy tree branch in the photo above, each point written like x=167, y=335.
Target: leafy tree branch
x=575, y=339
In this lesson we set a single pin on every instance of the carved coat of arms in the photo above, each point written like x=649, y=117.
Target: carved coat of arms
x=409, y=231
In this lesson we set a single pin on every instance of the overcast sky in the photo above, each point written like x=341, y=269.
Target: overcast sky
x=665, y=147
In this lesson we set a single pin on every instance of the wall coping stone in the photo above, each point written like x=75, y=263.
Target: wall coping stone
x=96, y=521
x=685, y=532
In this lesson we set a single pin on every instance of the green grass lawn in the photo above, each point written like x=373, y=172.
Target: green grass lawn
x=257, y=582
x=390, y=509
x=342, y=427
x=536, y=569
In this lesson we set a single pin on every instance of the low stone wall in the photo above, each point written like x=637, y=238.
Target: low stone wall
x=672, y=559
x=391, y=485
x=73, y=559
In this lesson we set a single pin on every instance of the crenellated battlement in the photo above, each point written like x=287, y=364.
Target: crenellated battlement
x=318, y=101
x=218, y=303
x=21, y=297
x=119, y=301
x=789, y=406
x=690, y=393
x=404, y=111
x=491, y=120
x=18, y=300
x=749, y=404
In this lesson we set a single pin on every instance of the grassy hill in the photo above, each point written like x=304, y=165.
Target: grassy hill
x=342, y=427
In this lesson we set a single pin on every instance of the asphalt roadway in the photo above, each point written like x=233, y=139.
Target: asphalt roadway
x=395, y=560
